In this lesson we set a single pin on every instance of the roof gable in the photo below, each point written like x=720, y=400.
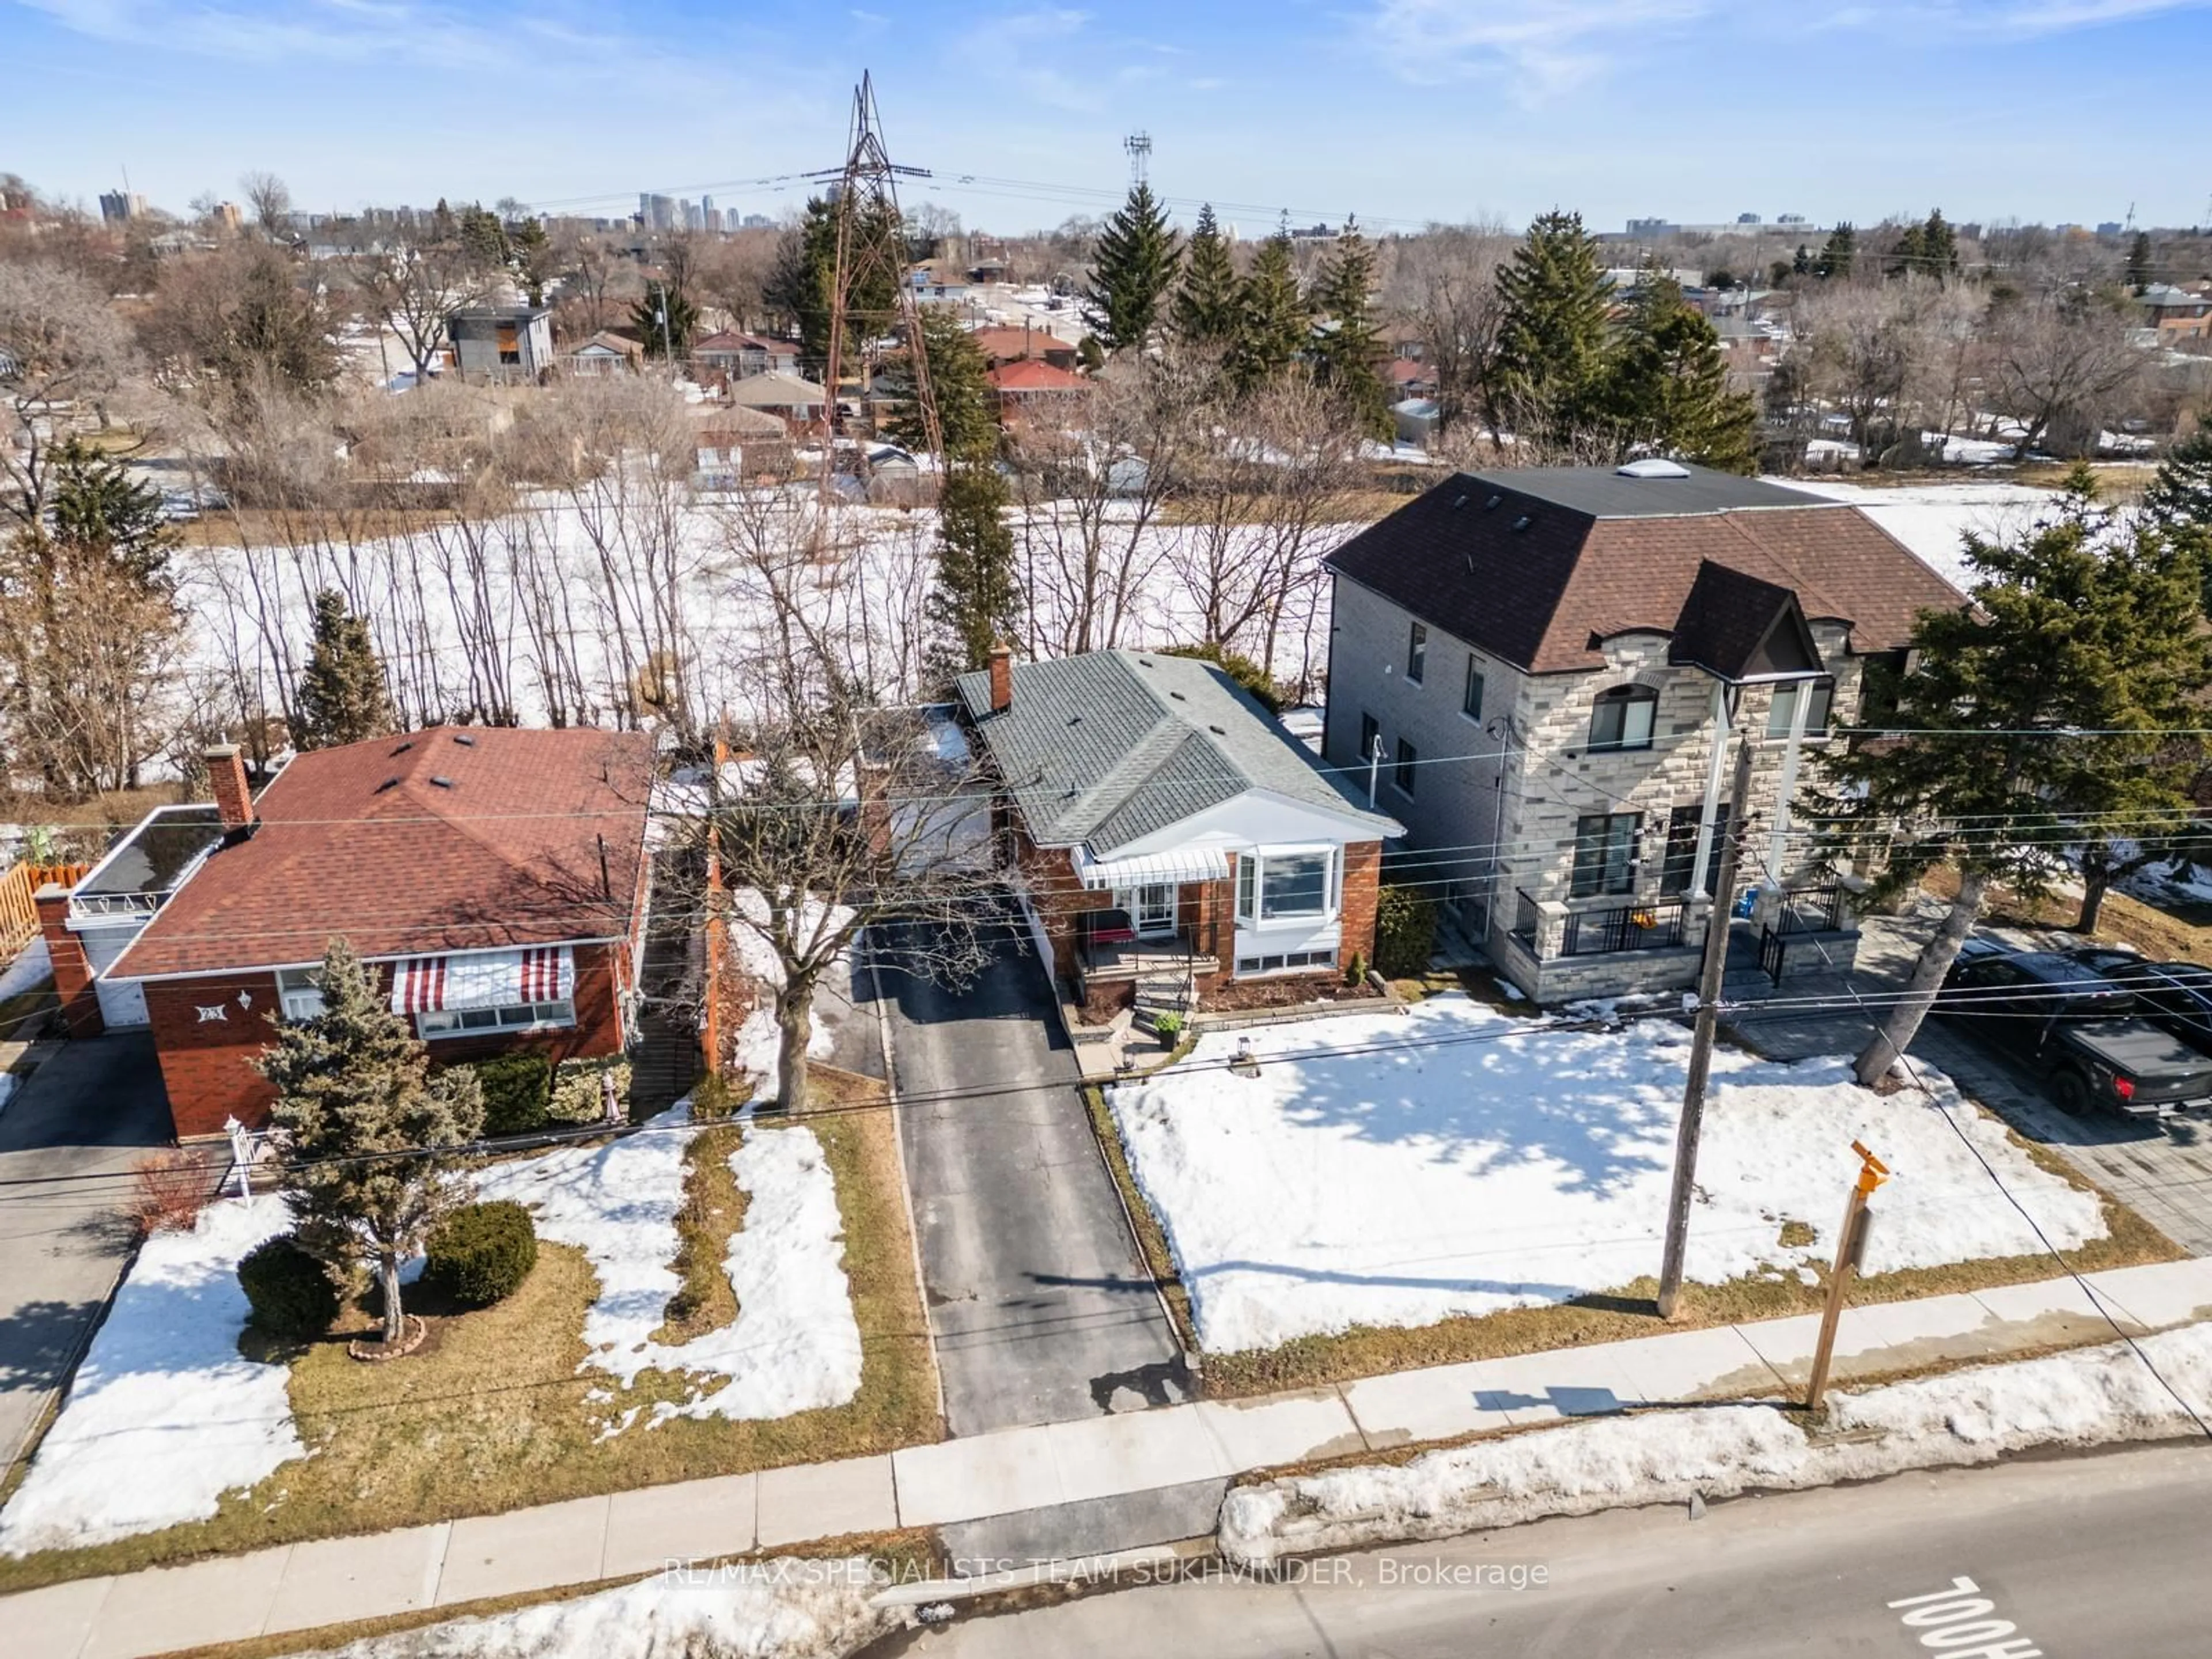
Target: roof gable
x=1740, y=628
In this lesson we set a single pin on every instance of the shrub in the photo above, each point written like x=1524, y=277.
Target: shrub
x=1355, y=971
x=1405, y=932
x=518, y=1092
x=576, y=1088
x=481, y=1253
x=291, y=1292
x=1241, y=669
x=169, y=1188
x=1167, y=1027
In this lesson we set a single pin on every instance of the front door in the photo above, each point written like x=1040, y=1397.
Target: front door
x=1155, y=910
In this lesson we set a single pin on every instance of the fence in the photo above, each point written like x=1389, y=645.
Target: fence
x=19, y=913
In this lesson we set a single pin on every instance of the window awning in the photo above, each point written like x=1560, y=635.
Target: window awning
x=1188, y=864
x=484, y=979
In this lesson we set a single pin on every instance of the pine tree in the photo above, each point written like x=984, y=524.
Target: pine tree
x=2139, y=263
x=975, y=600
x=666, y=319
x=802, y=283
x=967, y=412
x=1132, y=271
x=1667, y=387
x=98, y=507
x=2178, y=500
x=374, y=1135
x=1552, y=334
x=1350, y=352
x=1838, y=253
x=342, y=696
x=2032, y=717
x=1940, y=245
x=1205, y=310
x=1800, y=263
x=1272, y=321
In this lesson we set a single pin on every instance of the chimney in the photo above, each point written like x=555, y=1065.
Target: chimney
x=233, y=801
x=1002, y=677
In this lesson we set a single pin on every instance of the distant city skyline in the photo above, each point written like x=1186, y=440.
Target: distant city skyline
x=1400, y=110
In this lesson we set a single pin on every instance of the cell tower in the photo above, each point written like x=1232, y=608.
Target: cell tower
x=872, y=246
x=1140, y=147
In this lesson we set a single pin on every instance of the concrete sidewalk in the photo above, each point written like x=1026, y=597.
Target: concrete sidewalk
x=1056, y=1475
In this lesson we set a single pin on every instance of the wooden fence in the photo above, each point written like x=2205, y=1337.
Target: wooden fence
x=18, y=914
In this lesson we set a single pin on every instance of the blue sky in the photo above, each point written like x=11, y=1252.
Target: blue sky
x=1400, y=110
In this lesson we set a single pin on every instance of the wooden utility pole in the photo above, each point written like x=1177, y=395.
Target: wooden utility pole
x=1850, y=1251
x=1701, y=1044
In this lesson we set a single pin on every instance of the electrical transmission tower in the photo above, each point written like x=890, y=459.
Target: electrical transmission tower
x=872, y=251
x=1140, y=146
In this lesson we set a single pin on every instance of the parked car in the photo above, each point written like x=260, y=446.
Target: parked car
x=2087, y=1037
x=2176, y=994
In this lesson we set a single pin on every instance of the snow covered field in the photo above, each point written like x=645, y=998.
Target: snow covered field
x=1931, y=519
x=1462, y=1163
x=164, y=1414
x=794, y=1345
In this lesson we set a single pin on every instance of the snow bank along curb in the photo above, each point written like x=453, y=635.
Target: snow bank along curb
x=782, y=1608
x=2091, y=1396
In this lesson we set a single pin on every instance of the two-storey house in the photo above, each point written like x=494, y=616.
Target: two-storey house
x=1537, y=673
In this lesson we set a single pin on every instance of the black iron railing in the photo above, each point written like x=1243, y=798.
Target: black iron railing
x=1655, y=926
x=1811, y=910
x=1528, y=917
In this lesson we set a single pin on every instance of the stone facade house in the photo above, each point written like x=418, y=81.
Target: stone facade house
x=496, y=879
x=1173, y=845
x=1536, y=671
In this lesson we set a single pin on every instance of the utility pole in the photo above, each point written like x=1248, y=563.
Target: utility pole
x=1850, y=1253
x=1701, y=1044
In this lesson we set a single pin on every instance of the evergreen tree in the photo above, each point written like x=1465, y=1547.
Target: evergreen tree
x=1350, y=352
x=376, y=1136
x=1272, y=321
x=1205, y=309
x=99, y=508
x=1132, y=271
x=1907, y=253
x=2139, y=263
x=483, y=239
x=975, y=600
x=531, y=258
x=1552, y=334
x=666, y=319
x=967, y=411
x=2179, y=498
x=1800, y=263
x=1667, y=387
x=1838, y=253
x=803, y=284
x=1940, y=244
x=2033, y=720
x=341, y=697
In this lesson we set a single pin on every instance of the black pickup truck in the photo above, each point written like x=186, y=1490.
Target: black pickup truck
x=2087, y=1036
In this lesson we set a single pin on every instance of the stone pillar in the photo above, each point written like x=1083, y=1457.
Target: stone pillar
x=72, y=970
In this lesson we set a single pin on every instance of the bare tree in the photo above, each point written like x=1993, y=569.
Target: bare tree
x=413, y=288
x=1445, y=282
x=270, y=199
x=2063, y=357
x=63, y=353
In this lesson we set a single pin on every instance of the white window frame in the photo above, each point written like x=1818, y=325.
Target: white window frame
x=554, y=1014
x=299, y=994
x=1251, y=893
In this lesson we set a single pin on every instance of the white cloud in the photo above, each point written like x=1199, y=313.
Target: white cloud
x=1548, y=45
x=1038, y=54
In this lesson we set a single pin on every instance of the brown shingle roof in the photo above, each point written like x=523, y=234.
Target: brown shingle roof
x=418, y=844
x=1535, y=582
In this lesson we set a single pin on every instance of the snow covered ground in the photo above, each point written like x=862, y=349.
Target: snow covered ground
x=782, y=1608
x=30, y=968
x=1932, y=519
x=2091, y=1396
x=794, y=1344
x=164, y=1414
x=760, y=1038
x=1455, y=1161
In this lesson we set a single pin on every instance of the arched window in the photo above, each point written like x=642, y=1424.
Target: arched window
x=1623, y=717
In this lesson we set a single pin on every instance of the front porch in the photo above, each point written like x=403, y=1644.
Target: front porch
x=1565, y=950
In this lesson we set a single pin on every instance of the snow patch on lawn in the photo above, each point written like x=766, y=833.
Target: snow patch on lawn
x=1464, y=1162
x=777, y=1609
x=2091, y=1396
x=165, y=1415
x=760, y=1036
x=794, y=1345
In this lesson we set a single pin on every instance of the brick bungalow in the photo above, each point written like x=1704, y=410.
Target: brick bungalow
x=497, y=879
x=1174, y=846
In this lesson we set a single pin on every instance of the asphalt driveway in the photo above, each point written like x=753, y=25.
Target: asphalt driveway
x=69, y=1137
x=1040, y=1304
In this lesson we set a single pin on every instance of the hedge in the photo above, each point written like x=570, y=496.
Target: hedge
x=291, y=1292
x=1405, y=932
x=518, y=1092
x=481, y=1253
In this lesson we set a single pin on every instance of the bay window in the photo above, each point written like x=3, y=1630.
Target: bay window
x=1287, y=886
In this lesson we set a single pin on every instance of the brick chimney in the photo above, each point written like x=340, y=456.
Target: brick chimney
x=1002, y=677
x=72, y=970
x=227, y=771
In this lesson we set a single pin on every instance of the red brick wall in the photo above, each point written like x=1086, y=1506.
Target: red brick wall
x=1362, y=885
x=72, y=971
x=1061, y=899
x=207, y=1065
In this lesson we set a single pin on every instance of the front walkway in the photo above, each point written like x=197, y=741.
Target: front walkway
x=1055, y=1475
x=2163, y=1172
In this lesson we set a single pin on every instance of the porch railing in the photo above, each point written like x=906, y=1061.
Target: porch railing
x=1654, y=926
x=1811, y=910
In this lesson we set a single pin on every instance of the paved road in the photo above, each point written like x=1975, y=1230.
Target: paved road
x=2085, y=1559
x=2163, y=1173
x=92, y=1109
x=1041, y=1309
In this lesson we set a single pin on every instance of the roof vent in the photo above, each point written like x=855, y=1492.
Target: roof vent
x=442, y=783
x=464, y=740
x=1522, y=522
x=404, y=747
x=1218, y=732
x=1144, y=662
x=1458, y=502
x=1491, y=502
x=389, y=783
x=1652, y=466
x=1178, y=696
